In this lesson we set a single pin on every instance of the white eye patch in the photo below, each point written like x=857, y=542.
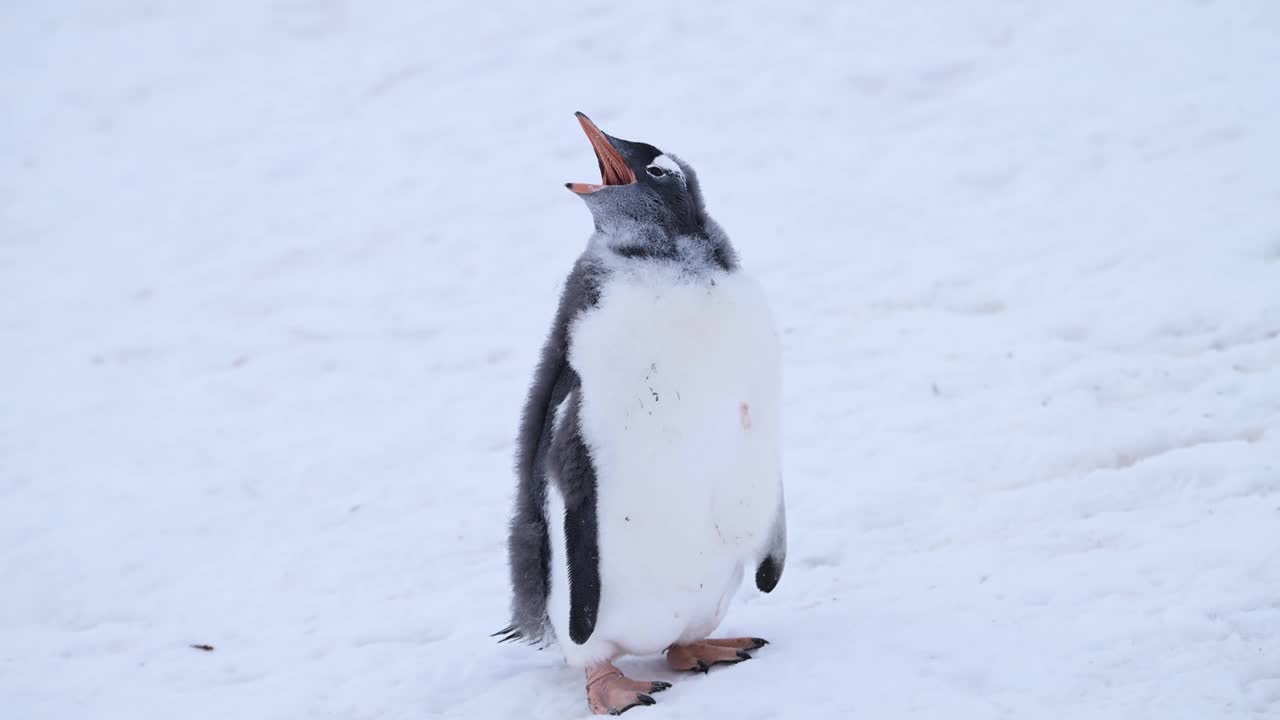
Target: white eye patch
x=667, y=164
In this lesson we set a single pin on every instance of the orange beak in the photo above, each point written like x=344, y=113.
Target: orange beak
x=613, y=169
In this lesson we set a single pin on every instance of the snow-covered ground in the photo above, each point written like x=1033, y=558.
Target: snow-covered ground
x=273, y=276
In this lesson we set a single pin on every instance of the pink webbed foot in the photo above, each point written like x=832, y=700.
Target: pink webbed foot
x=609, y=692
x=700, y=656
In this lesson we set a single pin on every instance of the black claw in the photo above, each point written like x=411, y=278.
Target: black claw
x=641, y=699
x=760, y=642
x=659, y=686
x=703, y=667
x=742, y=655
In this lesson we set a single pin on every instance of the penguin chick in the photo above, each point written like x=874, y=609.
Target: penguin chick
x=649, y=458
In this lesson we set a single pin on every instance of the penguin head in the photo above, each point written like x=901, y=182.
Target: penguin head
x=641, y=185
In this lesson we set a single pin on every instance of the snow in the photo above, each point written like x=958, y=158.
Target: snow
x=273, y=277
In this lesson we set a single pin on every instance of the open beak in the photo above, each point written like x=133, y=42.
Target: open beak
x=613, y=169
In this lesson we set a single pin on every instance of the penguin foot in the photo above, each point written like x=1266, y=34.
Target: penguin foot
x=700, y=656
x=743, y=643
x=609, y=692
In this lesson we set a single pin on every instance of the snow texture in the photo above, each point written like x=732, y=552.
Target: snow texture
x=274, y=275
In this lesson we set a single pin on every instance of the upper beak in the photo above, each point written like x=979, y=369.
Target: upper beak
x=613, y=169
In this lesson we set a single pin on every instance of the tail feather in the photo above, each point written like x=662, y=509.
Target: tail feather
x=508, y=634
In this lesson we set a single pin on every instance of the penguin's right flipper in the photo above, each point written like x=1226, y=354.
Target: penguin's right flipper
x=582, y=548
x=571, y=465
x=528, y=543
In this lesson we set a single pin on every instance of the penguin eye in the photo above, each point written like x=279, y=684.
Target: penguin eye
x=656, y=171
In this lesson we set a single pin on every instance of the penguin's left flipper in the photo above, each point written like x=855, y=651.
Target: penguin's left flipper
x=769, y=571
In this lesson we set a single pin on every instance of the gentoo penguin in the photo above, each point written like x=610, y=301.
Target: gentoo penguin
x=649, y=458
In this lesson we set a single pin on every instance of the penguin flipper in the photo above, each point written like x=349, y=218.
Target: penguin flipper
x=769, y=571
x=571, y=465
x=528, y=544
x=584, y=571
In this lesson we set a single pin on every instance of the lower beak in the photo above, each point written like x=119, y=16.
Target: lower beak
x=613, y=168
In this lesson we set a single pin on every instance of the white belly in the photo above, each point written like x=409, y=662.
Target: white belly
x=680, y=409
